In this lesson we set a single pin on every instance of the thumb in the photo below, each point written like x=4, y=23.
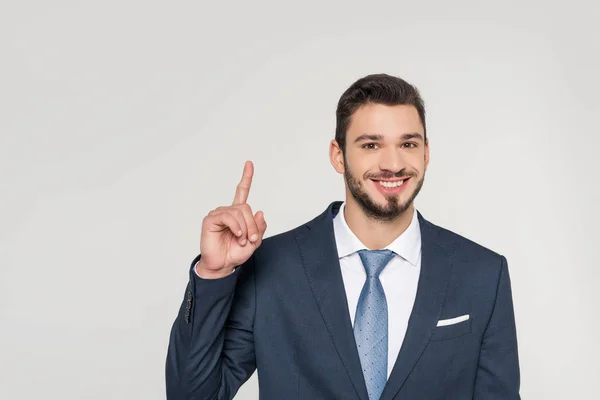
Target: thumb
x=259, y=218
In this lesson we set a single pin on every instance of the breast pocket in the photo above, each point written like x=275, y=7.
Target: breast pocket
x=451, y=331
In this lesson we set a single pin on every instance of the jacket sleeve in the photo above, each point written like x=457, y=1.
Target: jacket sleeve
x=498, y=376
x=211, y=347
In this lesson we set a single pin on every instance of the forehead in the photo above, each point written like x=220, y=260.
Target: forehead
x=384, y=120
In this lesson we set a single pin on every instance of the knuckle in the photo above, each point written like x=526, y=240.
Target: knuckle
x=231, y=211
x=248, y=208
x=240, y=218
x=208, y=218
x=243, y=207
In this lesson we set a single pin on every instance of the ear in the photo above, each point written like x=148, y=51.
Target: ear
x=336, y=156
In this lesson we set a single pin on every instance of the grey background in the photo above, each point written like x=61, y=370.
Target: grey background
x=123, y=123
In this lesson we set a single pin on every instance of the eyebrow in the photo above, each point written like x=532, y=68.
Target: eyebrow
x=406, y=136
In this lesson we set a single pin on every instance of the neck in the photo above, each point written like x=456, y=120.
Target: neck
x=375, y=234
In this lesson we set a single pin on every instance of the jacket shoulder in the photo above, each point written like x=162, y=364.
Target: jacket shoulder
x=465, y=248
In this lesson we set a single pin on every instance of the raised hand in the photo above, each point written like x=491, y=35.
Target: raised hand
x=230, y=234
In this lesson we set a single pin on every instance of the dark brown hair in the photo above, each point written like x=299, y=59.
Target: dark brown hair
x=375, y=89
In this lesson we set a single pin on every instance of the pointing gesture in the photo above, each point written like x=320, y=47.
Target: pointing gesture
x=230, y=235
x=243, y=188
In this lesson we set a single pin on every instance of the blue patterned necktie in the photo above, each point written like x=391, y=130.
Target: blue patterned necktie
x=371, y=322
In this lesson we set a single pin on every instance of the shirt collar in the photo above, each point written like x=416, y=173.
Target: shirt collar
x=407, y=245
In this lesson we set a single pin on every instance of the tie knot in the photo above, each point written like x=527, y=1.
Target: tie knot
x=375, y=261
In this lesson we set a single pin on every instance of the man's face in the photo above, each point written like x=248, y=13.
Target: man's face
x=385, y=159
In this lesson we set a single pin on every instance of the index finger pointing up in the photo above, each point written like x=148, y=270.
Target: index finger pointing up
x=243, y=188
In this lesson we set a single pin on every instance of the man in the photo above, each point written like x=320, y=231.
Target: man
x=369, y=300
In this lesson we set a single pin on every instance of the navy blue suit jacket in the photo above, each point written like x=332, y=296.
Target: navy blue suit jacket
x=284, y=312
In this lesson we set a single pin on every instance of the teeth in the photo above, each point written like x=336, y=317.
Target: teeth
x=391, y=184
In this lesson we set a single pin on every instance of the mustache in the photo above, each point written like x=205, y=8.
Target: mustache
x=389, y=175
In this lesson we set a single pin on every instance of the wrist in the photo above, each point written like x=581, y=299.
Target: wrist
x=206, y=273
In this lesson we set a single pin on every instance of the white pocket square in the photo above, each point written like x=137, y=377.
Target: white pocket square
x=452, y=321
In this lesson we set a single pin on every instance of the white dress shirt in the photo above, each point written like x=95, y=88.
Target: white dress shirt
x=399, y=278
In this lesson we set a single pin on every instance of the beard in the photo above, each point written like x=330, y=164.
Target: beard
x=393, y=208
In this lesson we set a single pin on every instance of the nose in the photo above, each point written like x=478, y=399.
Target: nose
x=391, y=159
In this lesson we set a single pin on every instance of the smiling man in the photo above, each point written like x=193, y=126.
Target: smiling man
x=369, y=300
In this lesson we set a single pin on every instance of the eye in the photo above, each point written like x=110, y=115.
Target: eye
x=369, y=146
x=410, y=145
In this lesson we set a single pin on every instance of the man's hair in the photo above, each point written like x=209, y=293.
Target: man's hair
x=375, y=89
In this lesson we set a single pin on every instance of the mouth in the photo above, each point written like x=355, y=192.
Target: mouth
x=391, y=186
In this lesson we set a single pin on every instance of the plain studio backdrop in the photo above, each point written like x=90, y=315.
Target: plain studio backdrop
x=123, y=123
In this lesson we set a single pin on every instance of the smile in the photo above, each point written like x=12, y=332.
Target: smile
x=391, y=184
x=391, y=187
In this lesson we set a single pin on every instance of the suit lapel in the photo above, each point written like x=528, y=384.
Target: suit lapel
x=318, y=250
x=436, y=266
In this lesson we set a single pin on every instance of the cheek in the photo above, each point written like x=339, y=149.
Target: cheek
x=417, y=163
x=361, y=166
